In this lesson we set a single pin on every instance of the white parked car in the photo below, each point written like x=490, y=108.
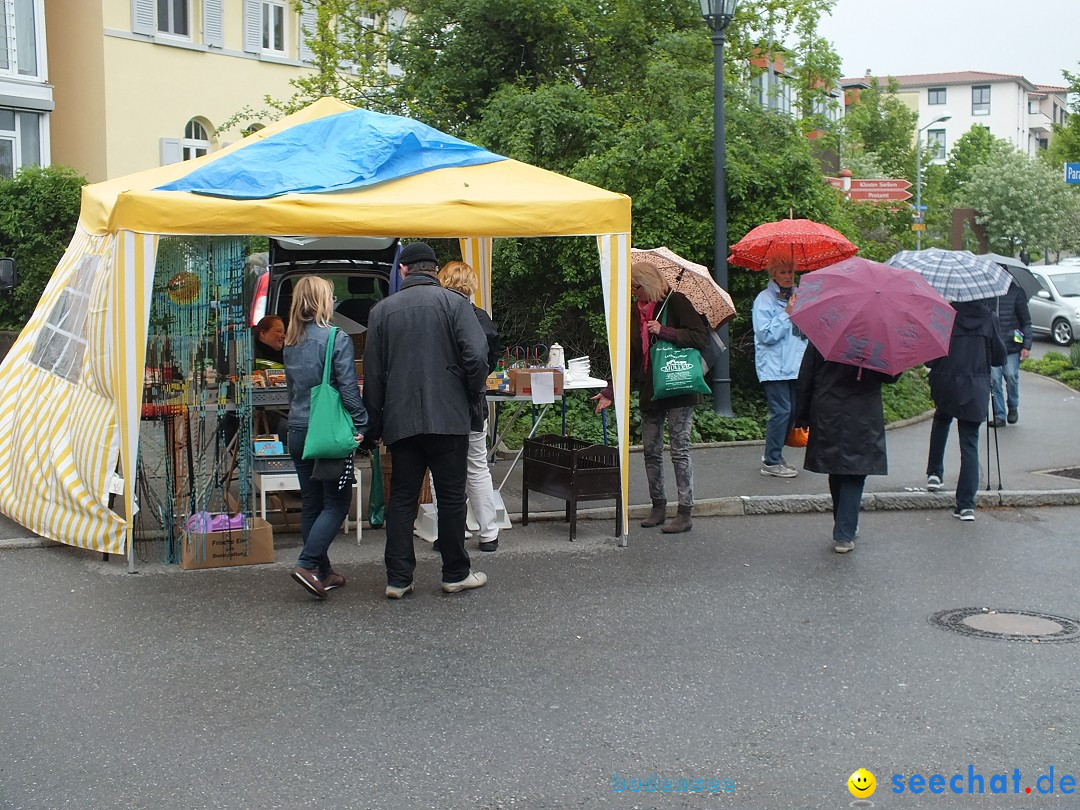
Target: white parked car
x=1055, y=309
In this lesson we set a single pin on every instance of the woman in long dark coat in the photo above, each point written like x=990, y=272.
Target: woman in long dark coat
x=841, y=405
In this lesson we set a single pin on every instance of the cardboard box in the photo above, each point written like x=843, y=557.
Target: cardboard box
x=219, y=549
x=521, y=380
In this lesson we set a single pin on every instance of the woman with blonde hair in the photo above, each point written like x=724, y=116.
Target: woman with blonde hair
x=324, y=504
x=778, y=353
x=664, y=314
x=460, y=277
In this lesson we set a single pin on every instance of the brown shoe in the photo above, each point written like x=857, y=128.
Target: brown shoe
x=332, y=580
x=681, y=523
x=657, y=516
x=310, y=580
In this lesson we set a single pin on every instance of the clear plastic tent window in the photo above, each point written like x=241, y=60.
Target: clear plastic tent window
x=61, y=344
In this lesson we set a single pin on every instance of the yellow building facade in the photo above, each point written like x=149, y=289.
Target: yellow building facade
x=142, y=83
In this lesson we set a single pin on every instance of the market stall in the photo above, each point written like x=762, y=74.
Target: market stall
x=71, y=386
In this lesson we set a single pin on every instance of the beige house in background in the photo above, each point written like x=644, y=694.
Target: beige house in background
x=142, y=83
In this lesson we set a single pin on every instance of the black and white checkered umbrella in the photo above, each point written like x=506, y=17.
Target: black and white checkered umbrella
x=959, y=275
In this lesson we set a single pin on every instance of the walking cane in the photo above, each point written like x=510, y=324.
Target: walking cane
x=997, y=451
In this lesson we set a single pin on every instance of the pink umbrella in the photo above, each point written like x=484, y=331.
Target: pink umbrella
x=868, y=314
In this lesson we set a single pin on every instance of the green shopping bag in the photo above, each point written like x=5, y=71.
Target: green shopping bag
x=675, y=371
x=330, y=428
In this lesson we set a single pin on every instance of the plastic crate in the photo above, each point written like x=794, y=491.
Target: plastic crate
x=260, y=397
x=271, y=465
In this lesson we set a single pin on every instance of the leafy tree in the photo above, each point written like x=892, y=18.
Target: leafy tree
x=974, y=148
x=348, y=39
x=39, y=209
x=1065, y=144
x=1023, y=203
x=882, y=125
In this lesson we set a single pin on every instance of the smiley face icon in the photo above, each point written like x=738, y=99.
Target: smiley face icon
x=862, y=784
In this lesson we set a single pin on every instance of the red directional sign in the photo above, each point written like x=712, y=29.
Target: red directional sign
x=880, y=184
x=868, y=195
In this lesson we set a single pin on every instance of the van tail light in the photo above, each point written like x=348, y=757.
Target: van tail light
x=258, y=304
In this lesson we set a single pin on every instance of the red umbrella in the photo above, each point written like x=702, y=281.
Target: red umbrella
x=871, y=315
x=809, y=244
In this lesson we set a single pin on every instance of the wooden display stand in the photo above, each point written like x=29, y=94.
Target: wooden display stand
x=572, y=470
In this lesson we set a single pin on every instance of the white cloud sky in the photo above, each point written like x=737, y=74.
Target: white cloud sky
x=900, y=37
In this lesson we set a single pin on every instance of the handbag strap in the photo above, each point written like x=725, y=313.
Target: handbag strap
x=329, y=354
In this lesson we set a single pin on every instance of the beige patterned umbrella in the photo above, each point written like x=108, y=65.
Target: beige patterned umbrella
x=693, y=281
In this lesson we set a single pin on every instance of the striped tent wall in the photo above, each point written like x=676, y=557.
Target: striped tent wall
x=476, y=252
x=615, y=275
x=59, y=428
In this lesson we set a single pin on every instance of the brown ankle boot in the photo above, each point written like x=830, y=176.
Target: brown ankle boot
x=657, y=516
x=681, y=523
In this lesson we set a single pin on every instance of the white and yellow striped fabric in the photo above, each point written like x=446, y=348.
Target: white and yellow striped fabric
x=62, y=436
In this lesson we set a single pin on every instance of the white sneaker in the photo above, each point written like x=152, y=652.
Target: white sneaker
x=475, y=579
x=933, y=483
x=778, y=470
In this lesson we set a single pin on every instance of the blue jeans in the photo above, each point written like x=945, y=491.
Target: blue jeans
x=323, y=508
x=780, y=394
x=1010, y=374
x=968, y=482
x=846, y=491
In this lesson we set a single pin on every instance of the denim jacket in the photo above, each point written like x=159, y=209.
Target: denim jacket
x=777, y=350
x=303, y=371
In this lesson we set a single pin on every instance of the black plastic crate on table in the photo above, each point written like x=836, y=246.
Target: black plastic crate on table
x=273, y=465
x=572, y=470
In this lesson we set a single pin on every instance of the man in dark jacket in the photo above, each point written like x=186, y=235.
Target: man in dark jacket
x=425, y=358
x=1014, y=327
x=960, y=387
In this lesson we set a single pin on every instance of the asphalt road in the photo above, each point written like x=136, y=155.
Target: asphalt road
x=744, y=651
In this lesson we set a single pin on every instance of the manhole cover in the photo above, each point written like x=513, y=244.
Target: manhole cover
x=1008, y=625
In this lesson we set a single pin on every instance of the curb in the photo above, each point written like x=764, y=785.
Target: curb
x=743, y=505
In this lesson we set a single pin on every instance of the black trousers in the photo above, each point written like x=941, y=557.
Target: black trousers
x=447, y=458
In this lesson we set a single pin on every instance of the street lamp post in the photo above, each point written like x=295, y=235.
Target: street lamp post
x=918, y=173
x=718, y=14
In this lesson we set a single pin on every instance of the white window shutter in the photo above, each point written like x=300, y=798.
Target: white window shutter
x=309, y=18
x=252, y=26
x=214, y=23
x=143, y=17
x=170, y=151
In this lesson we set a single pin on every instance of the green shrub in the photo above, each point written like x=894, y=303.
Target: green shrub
x=908, y=397
x=1074, y=355
x=1070, y=376
x=39, y=209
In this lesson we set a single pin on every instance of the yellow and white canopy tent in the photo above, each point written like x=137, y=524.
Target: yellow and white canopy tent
x=71, y=386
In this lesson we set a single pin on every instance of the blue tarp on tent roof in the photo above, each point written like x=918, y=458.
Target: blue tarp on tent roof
x=344, y=151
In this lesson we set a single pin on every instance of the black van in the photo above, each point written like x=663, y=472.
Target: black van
x=359, y=267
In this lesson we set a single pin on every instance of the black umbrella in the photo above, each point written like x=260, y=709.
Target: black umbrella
x=1018, y=270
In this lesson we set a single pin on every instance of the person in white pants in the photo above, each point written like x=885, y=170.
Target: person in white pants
x=460, y=277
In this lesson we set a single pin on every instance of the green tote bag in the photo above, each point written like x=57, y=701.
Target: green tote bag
x=330, y=428
x=675, y=371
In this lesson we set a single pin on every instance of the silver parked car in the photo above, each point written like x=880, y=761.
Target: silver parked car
x=1055, y=309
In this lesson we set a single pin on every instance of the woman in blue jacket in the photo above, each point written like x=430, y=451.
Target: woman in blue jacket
x=778, y=352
